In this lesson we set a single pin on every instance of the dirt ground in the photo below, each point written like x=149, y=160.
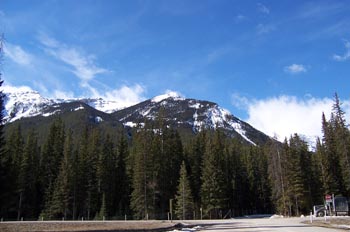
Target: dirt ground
x=333, y=222
x=86, y=226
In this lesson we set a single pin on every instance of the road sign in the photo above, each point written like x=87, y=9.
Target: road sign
x=328, y=198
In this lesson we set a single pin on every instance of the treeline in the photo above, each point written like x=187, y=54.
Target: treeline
x=155, y=174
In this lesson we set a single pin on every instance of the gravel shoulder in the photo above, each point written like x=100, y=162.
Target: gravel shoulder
x=332, y=222
x=70, y=226
x=340, y=223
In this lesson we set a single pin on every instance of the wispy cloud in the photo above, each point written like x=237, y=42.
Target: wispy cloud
x=86, y=70
x=83, y=65
x=17, y=54
x=295, y=68
x=264, y=28
x=346, y=55
x=313, y=11
x=240, y=18
x=263, y=9
x=121, y=97
x=218, y=53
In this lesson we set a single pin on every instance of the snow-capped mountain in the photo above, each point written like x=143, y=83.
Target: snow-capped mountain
x=185, y=114
x=192, y=114
x=23, y=102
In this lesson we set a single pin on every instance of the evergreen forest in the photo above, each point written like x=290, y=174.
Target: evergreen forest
x=154, y=173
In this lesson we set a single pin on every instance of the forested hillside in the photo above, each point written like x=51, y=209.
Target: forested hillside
x=146, y=173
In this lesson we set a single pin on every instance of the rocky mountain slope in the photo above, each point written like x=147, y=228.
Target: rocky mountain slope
x=190, y=115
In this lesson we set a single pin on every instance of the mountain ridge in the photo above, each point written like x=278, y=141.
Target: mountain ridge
x=187, y=114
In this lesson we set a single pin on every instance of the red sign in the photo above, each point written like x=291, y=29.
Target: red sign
x=328, y=198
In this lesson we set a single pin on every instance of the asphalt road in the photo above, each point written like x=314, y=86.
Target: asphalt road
x=262, y=224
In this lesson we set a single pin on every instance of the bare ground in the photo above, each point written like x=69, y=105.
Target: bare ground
x=100, y=226
x=333, y=222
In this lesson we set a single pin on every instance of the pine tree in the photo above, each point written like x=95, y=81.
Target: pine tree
x=28, y=179
x=122, y=178
x=332, y=171
x=60, y=200
x=4, y=159
x=342, y=138
x=107, y=178
x=194, y=156
x=141, y=196
x=213, y=180
x=184, y=201
x=51, y=157
x=94, y=150
x=11, y=159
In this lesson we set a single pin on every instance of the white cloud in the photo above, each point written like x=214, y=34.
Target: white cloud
x=8, y=88
x=295, y=68
x=126, y=95
x=84, y=66
x=58, y=94
x=240, y=18
x=285, y=115
x=346, y=55
x=17, y=54
x=264, y=28
x=263, y=9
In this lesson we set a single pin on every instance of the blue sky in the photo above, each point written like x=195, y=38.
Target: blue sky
x=263, y=60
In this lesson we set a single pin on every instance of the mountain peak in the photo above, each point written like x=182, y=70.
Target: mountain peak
x=169, y=94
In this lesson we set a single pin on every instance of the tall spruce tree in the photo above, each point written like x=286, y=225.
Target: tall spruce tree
x=194, y=155
x=122, y=178
x=342, y=138
x=12, y=158
x=184, y=200
x=28, y=179
x=94, y=150
x=141, y=196
x=59, y=204
x=4, y=161
x=213, y=179
x=51, y=157
x=332, y=170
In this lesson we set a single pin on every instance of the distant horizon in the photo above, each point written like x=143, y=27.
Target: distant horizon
x=275, y=65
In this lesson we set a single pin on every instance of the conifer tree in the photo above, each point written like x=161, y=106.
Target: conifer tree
x=94, y=150
x=342, y=138
x=122, y=178
x=4, y=159
x=213, y=181
x=184, y=201
x=28, y=179
x=194, y=155
x=332, y=171
x=59, y=204
x=12, y=158
x=141, y=196
x=51, y=157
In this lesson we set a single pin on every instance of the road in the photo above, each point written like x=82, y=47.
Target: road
x=262, y=224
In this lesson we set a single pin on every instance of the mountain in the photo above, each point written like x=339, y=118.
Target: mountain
x=23, y=102
x=28, y=108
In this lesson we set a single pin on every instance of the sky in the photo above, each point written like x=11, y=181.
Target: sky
x=275, y=64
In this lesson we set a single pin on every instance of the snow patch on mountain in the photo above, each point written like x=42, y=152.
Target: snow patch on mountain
x=169, y=94
x=21, y=102
x=100, y=104
x=218, y=117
